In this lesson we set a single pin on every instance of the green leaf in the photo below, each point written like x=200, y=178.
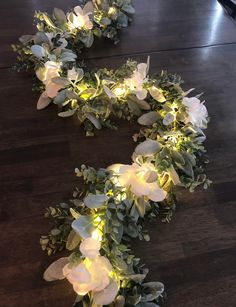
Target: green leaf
x=24, y=39
x=122, y=20
x=147, y=148
x=73, y=240
x=142, y=104
x=177, y=156
x=128, y=9
x=83, y=226
x=48, y=21
x=59, y=15
x=94, y=120
x=61, y=81
x=68, y=56
x=67, y=113
x=95, y=201
x=61, y=97
x=38, y=51
x=87, y=39
x=149, y=118
x=134, y=109
x=40, y=38
x=141, y=206
x=105, y=21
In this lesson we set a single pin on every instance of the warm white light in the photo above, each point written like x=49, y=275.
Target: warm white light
x=112, y=10
x=119, y=91
x=96, y=235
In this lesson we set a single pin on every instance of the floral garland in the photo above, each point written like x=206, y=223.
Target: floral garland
x=101, y=220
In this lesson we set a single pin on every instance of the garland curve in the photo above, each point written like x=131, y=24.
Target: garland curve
x=101, y=220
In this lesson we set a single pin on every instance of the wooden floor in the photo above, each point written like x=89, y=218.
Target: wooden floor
x=194, y=255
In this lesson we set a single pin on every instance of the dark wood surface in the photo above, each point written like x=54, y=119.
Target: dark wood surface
x=195, y=254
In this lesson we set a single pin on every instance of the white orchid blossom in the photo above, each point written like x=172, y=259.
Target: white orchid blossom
x=92, y=274
x=80, y=18
x=141, y=179
x=197, y=112
x=46, y=74
x=136, y=81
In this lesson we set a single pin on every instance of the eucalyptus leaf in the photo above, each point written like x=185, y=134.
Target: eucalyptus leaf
x=67, y=56
x=61, y=97
x=156, y=94
x=67, y=113
x=24, y=39
x=168, y=119
x=109, y=93
x=59, y=15
x=148, y=119
x=87, y=39
x=48, y=21
x=94, y=120
x=61, y=81
x=134, y=109
x=142, y=104
x=88, y=93
x=147, y=148
x=40, y=38
x=73, y=240
x=128, y=9
x=154, y=285
x=177, y=156
x=105, y=21
x=38, y=51
x=83, y=226
x=122, y=20
x=95, y=201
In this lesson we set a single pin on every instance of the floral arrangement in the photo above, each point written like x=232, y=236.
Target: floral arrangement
x=99, y=223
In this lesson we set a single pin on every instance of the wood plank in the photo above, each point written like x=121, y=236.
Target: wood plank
x=158, y=25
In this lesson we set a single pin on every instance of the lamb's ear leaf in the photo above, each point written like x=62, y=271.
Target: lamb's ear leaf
x=95, y=201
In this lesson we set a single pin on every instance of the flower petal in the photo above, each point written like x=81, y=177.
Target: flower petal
x=156, y=193
x=55, y=270
x=52, y=89
x=88, y=8
x=107, y=295
x=77, y=274
x=90, y=248
x=43, y=101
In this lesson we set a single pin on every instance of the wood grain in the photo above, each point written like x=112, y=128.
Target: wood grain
x=158, y=25
x=194, y=255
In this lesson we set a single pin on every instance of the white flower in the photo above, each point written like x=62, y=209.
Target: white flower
x=50, y=70
x=91, y=274
x=90, y=248
x=137, y=79
x=142, y=180
x=197, y=112
x=80, y=18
